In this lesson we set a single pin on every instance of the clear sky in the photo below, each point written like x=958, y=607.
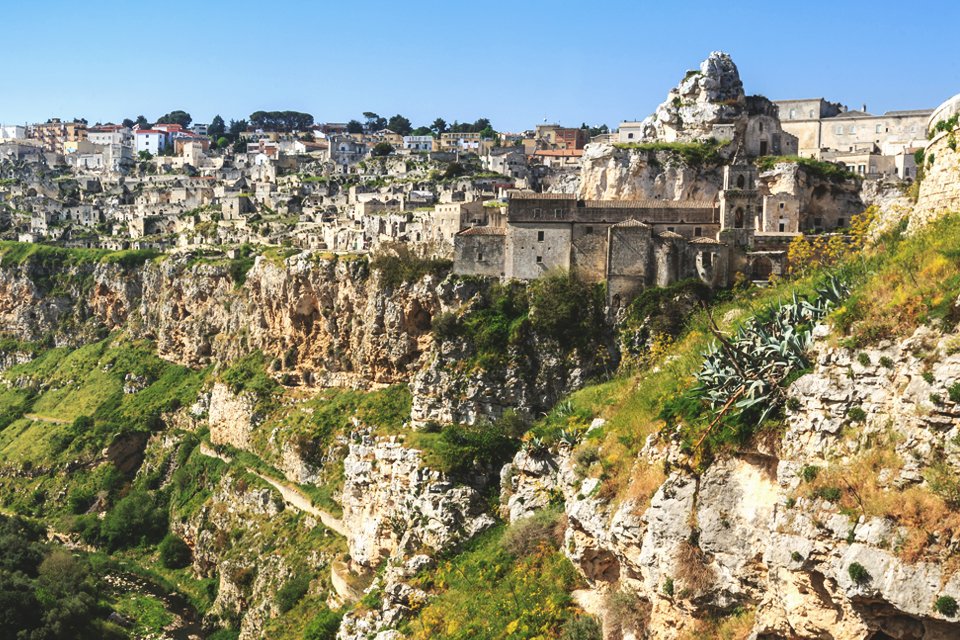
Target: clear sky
x=515, y=62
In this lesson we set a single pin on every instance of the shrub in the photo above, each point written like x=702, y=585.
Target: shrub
x=626, y=612
x=796, y=556
x=566, y=309
x=406, y=267
x=224, y=634
x=586, y=456
x=831, y=494
x=460, y=448
x=858, y=573
x=528, y=534
x=946, y=605
x=323, y=626
x=793, y=404
x=135, y=520
x=954, y=392
x=810, y=472
x=174, y=552
x=928, y=377
x=292, y=592
x=668, y=586
x=936, y=399
x=582, y=628
x=856, y=414
x=863, y=359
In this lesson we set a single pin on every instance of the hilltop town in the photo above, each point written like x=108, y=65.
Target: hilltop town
x=715, y=182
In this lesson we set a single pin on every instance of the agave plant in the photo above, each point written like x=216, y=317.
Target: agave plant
x=746, y=370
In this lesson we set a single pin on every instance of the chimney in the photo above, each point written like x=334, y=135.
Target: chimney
x=864, y=108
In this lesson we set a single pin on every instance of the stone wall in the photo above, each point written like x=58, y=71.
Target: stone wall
x=940, y=189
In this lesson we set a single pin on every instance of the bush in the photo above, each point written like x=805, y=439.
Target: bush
x=954, y=392
x=668, y=586
x=810, y=473
x=324, y=626
x=582, y=628
x=946, y=605
x=566, y=309
x=886, y=362
x=528, y=534
x=856, y=414
x=858, y=573
x=863, y=359
x=292, y=592
x=796, y=556
x=461, y=448
x=406, y=267
x=831, y=494
x=135, y=520
x=174, y=552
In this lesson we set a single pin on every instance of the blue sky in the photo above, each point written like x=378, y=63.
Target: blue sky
x=515, y=62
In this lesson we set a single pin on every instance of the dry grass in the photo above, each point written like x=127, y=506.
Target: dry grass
x=735, y=627
x=645, y=479
x=625, y=612
x=694, y=575
x=927, y=516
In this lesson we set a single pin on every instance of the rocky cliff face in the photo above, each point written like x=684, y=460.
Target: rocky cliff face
x=749, y=532
x=706, y=97
x=394, y=505
x=609, y=173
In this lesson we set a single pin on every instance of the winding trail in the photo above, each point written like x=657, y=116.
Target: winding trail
x=36, y=417
x=291, y=495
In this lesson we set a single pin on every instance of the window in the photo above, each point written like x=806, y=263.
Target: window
x=793, y=113
x=697, y=232
x=782, y=205
x=783, y=227
x=479, y=257
x=588, y=231
x=536, y=213
x=707, y=259
x=811, y=113
x=630, y=136
x=841, y=223
x=761, y=127
x=879, y=128
x=558, y=213
x=740, y=182
x=852, y=129
x=838, y=129
x=539, y=259
x=539, y=236
x=817, y=222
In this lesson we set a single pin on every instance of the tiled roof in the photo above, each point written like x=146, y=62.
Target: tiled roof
x=484, y=231
x=632, y=222
x=649, y=204
x=704, y=240
x=669, y=234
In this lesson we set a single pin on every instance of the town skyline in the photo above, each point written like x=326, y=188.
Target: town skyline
x=335, y=62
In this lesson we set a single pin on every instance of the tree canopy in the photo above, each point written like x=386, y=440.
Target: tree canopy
x=399, y=124
x=281, y=120
x=179, y=117
x=217, y=127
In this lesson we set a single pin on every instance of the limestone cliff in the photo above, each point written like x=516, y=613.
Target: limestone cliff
x=748, y=532
x=610, y=173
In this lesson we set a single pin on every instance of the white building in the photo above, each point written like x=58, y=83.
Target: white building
x=418, y=143
x=150, y=140
x=629, y=132
x=12, y=132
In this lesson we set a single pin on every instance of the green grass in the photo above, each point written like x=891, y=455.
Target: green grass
x=693, y=154
x=819, y=168
x=523, y=597
x=148, y=613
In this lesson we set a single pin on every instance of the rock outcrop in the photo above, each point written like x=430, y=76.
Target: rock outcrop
x=394, y=505
x=747, y=533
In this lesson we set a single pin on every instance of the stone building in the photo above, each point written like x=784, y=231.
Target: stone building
x=868, y=144
x=628, y=244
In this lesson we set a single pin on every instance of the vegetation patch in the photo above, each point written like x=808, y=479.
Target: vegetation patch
x=818, y=168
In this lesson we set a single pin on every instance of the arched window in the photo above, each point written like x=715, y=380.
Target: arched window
x=738, y=219
x=741, y=181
